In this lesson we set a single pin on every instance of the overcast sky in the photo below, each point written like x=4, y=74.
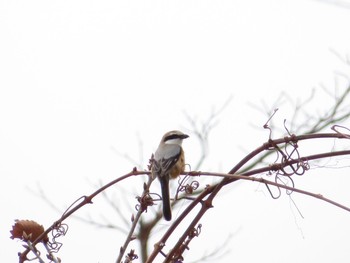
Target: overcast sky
x=81, y=81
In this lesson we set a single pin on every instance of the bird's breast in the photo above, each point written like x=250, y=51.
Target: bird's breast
x=179, y=166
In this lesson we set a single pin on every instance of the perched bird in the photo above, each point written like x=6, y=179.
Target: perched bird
x=169, y=162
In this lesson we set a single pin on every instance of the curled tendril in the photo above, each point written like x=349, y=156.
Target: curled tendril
x=285, y=157
x=266, y=125
x=130, y=256
x=285, y=127
x=185, y=186
x=285, y=165
x=336, y=127
x=286, y=180
x=298, y=168
x=195, y=232
x=145, y=201
x=304, y=164
x=59, y=230
x=272, y=195
x=281, y=179
x=189, y=188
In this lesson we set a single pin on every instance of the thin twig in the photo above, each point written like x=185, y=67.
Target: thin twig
x=135, y=222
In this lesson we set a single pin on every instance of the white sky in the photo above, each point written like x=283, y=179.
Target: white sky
x=79, y=78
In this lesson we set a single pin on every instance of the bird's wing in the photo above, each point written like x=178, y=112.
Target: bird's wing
x=165, y=160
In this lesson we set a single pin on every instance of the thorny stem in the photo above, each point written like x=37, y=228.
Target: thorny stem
x=86, y=200
x=205, y=206
x=134, y=223
x=234, y=177
x=291, y=162
x=212, y=191
x=271, y=143
x=160, y=244
x=334, y=115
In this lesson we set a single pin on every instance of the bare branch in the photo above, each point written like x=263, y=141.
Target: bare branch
x=202, y=129
x=206, y=197
x=78, y=204
x=235, y=177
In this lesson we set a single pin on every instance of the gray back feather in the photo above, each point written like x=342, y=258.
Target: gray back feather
x=166, y=159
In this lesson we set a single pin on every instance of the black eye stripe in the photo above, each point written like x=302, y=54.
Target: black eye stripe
x=172, y=136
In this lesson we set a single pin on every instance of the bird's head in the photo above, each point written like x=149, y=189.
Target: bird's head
x=174, y=137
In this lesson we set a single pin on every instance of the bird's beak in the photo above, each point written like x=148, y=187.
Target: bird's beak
x=184, y=136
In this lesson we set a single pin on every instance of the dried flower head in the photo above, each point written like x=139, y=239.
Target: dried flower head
x=27, y=230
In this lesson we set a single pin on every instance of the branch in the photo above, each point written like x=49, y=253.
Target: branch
x=235, y=177
x=210, y=192
x=336, y=113
x=135, y=220
x=76, y=206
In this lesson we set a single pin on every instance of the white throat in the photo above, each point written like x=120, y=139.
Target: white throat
x=177, y=141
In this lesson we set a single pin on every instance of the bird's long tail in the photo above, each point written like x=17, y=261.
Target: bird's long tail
x=164, y=184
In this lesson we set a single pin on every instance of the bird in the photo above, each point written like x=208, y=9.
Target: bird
x=169, y=162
